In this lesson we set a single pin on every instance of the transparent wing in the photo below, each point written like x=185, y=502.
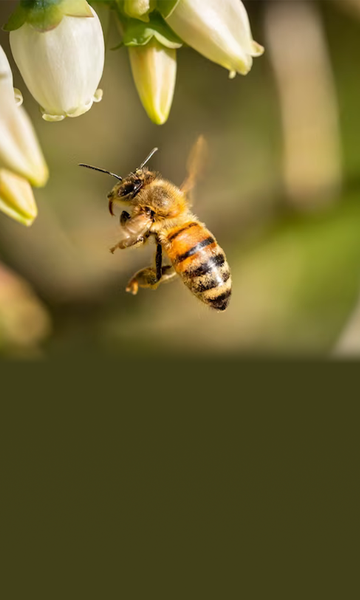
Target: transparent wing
x=195, y=165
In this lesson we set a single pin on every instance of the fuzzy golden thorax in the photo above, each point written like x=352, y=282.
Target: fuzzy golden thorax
x=162, y=198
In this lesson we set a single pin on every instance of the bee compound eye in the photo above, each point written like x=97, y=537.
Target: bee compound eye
x=126, y=189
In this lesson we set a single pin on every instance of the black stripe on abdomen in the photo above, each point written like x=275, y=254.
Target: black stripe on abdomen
x=174, y=235
x=214, y=261
x=195, y=249
x=211, y=283
x=220, y=302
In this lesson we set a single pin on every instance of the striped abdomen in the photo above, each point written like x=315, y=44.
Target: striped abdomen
x=199, y=260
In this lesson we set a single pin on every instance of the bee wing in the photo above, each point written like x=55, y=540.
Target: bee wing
x=195, y=165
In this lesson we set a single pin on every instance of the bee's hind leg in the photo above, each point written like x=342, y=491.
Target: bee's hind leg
x=151, y=277
x=147, y=278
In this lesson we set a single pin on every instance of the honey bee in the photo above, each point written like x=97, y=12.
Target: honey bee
x=161, y=210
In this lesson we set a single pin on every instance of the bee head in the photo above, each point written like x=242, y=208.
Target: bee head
x=129, y=187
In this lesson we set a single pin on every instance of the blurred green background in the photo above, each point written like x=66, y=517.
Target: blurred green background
x=281, y=194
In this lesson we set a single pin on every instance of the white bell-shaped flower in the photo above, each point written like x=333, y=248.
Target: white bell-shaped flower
x=218, y=29
x=6, y=77
x=19, y=147
x=62, y=67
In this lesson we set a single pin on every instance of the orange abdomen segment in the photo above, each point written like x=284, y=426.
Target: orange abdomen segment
x=201, y=263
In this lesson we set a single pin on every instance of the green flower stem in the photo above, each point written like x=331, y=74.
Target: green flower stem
x=139, y=33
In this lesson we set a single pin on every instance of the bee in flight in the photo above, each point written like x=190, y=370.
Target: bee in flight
x=160, y=209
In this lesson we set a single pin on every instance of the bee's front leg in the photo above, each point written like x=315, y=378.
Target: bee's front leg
x=124, y=217
x=136, y=230
x=127, y=242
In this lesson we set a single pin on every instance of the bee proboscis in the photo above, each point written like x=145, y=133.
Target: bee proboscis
x=161, y=210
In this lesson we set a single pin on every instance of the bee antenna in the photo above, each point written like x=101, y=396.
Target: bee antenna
x=148, y=157
x=101, y=171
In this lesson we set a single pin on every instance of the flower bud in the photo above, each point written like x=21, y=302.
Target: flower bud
x=138, y=9
x=17, y=198
x=154, y=71
x=62, y=66
x=219, y=30
x=19, y=148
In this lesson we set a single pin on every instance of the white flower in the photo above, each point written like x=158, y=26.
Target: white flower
x=62, y=67
x=6, y=80
x=19, y=148
x=154, y=71
x=218, y=29
x=17, y=198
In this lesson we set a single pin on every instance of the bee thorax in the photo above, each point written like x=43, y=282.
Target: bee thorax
x=164, y=198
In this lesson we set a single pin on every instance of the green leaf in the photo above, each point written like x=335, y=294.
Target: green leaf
x=44, y=15
x=16, y=19
x=166, y=7
x=138, y=33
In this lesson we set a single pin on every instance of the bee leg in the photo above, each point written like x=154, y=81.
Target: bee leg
x=124, y=217
x=144, y=278
x=127, y=242
x=147, y=278
x=167, y=274
x=158, y=261
x=163, y=274
x=150, y=277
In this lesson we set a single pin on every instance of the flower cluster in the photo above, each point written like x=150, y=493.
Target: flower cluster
x=153, y=30
x=21, y=161
x=58, y=46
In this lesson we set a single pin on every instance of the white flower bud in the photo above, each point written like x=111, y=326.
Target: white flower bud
x=17, y=198
x=19, y=148
x=154, y=71
x=218, y=29
x=62, y=67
